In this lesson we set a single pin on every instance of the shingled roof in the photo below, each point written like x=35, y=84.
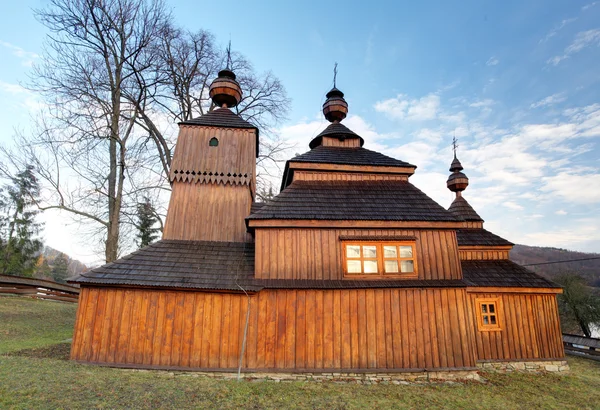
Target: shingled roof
x=341, y=156
x=502, y=273
x=461, y=209
x=335, y=130
x=353, y=200
x=220, y=117
x=181, y=264
x=479, y=237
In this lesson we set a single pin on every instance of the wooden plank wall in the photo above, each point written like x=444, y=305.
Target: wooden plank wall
x=208, y=212
x=346, y=176
x=491, y=254
x=236, y=152
x=288, y=253
x=530, y=328
x=336, y=142
x=288, y=329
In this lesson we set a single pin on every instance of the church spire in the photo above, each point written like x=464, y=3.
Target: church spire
x=225, y=91
x=335, y=107
x=457, y=181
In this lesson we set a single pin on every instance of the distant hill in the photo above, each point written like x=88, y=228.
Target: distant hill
x=46, y=263
x=590, y=270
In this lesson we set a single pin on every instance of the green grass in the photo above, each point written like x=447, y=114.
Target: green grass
x=28, y=323
x=43, y=378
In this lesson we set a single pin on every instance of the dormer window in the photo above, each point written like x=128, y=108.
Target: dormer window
x=372, y=259
x=214, y=142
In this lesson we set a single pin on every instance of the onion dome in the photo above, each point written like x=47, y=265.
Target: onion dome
x=225, y=91
x=335, y=107
x=457, y=181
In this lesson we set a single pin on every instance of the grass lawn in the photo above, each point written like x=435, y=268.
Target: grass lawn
x=43, y=378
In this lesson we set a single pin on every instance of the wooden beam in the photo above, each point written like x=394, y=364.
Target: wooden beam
x=317, y=223
x=481, y=289
x=293, y=165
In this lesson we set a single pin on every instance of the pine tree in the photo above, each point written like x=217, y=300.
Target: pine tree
x=60, y=268
x=146, y=221
x=19, y=246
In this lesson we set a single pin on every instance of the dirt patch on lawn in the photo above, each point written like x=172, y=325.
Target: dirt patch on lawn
x=59, y=351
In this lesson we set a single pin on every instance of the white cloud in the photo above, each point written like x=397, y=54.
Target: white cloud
x=512, y=205
x=587, y=6
x=550, y=100
x=557, y=28
x=27, y=57
x=482, y=103
x=401, y=107
x=12, y=88
x=582, y=40
x=561, y=212
x=492, y=61
x=573, y=187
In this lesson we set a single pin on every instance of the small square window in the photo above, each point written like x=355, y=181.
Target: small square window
x=369, y=251
x=354, y=267
x=487, y=316
x=391, y=267
x=353, y=251
x=390, y=252
x=370, y=267
x=407, y=266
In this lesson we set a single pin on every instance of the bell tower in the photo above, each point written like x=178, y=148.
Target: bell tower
x=213, y=172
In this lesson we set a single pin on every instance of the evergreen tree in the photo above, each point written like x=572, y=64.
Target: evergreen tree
x=19, y=246
x=146, y=216
x=60, y=268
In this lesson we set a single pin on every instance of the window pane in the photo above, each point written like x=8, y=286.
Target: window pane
x=406, y=252
x=493, y=319
x=369, y=251
x=390, y=252
x=485, y=320
x=370, y=267
x=484, y=308
x=354, y=267
x=391, y=267
x=491, y=308
x=407, y=266
x=353, y=251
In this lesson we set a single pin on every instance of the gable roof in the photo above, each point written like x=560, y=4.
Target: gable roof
x=479, y=237
x=181, y=264
x=502, y=273
x=353, y=200
x=461, y=209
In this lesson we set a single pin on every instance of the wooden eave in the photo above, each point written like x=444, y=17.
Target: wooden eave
x=496, y=289
x=316, y=223
x=292, y=165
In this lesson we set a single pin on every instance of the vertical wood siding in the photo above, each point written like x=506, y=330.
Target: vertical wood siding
x=467, y=255
x=236, y=152
x=208, y=212
x=530, y=328
x=346, y=176
x=336, y=142
x=287, y=253
x=288, y=329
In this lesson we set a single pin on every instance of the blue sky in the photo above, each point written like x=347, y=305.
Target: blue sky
x=516, y=82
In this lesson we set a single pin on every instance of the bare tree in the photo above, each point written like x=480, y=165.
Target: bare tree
x=96, y=50
x=114, y=75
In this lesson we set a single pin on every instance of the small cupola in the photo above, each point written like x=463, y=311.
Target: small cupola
x=225, y=91
x=457, y=181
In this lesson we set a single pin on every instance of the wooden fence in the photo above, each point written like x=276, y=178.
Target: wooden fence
x=588, y=347
x=38, y=288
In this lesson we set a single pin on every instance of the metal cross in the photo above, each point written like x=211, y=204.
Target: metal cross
x=454, y=145
x=334, y=74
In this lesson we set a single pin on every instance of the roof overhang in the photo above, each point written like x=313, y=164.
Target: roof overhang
x=367, y=224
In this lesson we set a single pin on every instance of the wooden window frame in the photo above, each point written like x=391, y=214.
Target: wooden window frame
x=497, y=303
x=380, y=260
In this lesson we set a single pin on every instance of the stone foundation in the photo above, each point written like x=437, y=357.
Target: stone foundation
x=358, y=378
x=532, y=366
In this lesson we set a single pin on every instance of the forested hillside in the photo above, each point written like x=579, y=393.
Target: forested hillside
x=589, y=269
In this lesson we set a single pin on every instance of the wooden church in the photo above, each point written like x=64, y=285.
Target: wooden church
x=350, y=269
